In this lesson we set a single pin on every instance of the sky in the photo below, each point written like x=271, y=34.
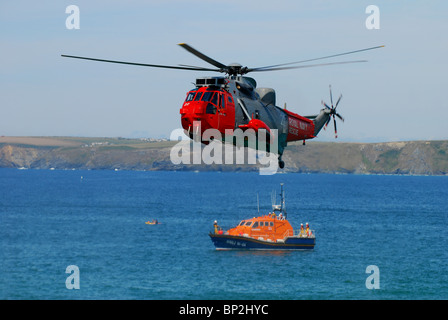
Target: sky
x=398, y=95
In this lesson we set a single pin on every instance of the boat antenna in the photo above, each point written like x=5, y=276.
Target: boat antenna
x=279, y=207
x=258, y=204
x=282, y=203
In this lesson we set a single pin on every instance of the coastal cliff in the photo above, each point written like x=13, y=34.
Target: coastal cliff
x=410, y=157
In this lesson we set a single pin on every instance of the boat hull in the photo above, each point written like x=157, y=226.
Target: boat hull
x=228, y=242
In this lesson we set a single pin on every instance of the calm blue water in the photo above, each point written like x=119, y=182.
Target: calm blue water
x=52, y=219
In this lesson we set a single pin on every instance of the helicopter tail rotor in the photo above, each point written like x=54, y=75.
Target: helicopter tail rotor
x=332, y=112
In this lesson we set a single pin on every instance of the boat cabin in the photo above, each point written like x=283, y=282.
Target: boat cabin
x=267, y=227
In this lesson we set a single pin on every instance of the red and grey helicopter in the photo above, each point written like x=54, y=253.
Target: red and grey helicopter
x=234, y=101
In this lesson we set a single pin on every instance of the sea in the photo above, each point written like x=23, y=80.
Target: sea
x=72, y=234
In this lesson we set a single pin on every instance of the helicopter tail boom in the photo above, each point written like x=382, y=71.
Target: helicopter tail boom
x=299, y=128
x=320, y=120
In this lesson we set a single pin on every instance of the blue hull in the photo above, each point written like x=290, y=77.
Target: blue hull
x=227, y=242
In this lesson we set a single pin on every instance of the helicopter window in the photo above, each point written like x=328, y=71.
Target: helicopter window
x=198, y=96
x=223, y=105
x=230, y=99
x=211, y=109
x=190, y=96
x=215, y=99
x=207, y=96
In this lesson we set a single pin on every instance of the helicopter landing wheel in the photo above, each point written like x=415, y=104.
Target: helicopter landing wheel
x=281, y=164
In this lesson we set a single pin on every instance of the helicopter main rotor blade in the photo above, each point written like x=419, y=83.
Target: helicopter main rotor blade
x=308, y=60
x=203, y=56
x=143, y=64
x=306, y=66
x=189, y=66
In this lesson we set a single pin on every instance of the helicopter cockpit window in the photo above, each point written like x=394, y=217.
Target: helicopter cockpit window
x=198, y=96
x=190, y=96
x=215, y=99
x=230, y=99
x=206, y=96
x=211, y=109
x=223, y=105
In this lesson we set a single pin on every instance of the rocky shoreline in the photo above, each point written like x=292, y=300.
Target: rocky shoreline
x=410, y=157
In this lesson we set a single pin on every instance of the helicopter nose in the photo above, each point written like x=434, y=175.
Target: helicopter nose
x=191, y=113
x=196, y=124
x=189, y=120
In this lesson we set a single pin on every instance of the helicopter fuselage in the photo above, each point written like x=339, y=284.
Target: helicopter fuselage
x=234, y=102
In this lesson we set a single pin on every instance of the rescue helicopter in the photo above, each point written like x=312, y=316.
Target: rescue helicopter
x=234, y=101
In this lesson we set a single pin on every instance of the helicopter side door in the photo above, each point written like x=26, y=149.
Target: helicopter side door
x=211, y=109
x=226, y=111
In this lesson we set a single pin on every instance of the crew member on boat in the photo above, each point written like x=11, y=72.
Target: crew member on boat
x=302, y=231
x=307, y=230
x=215, y=225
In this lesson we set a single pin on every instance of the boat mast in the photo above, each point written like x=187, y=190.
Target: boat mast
x=282, y=203
x=279, y=207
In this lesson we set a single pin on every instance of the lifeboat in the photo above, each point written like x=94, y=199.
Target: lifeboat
x=268, y=232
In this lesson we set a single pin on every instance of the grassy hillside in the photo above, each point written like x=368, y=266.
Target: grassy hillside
x=412, y=157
